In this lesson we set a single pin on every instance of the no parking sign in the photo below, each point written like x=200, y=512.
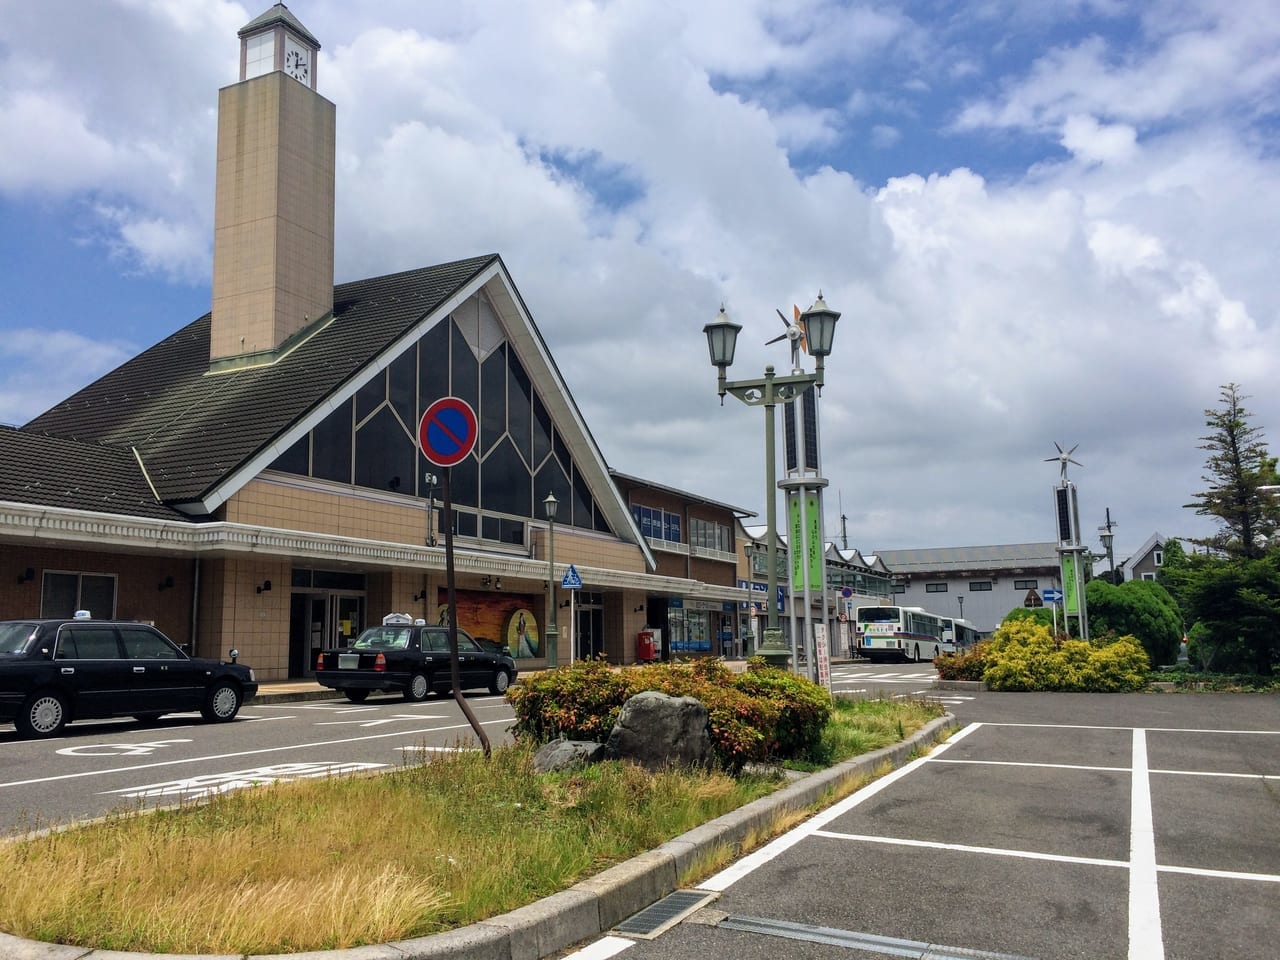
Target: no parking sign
x=447, y=431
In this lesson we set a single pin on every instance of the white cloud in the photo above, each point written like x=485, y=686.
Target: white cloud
x=635, y=163
x=1092, y=142
x=42, y=366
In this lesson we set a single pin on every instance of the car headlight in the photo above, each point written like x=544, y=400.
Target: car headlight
x=252, y=678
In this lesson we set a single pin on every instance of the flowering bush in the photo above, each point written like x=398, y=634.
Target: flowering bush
x=966, y=665
x=760, y=715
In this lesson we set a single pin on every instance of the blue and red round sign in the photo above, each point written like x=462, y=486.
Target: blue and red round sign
x=447, y=431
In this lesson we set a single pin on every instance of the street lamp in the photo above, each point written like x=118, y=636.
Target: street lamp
x=818, y=324
x=553, y=635
x=960, y=600
x=1107, y=537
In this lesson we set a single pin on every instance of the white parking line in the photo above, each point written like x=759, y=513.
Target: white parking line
x=752, y=861
x=246, y=753
x=1146, y=940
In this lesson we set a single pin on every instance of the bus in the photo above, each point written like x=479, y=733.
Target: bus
x=908, y=633
x=958, y=635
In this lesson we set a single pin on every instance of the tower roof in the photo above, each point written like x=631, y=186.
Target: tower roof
x=278, y=14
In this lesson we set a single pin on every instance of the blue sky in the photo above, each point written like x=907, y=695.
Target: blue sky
x=1042, y=222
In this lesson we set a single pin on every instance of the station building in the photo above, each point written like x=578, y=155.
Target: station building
x=255, y=480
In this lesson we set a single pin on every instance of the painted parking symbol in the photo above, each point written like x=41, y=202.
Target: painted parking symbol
x=117, y=749
x=447, y=431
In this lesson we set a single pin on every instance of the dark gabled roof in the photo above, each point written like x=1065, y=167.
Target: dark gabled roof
x=641, y=483
x=193, y=428
x=941, y=560
x=278, y=14
x=56, y=472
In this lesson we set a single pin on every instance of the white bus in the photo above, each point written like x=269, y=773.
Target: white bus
x=907, y=633
x=958, y=635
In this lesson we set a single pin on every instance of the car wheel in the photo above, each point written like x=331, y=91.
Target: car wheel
x=222, y=703
x=418, y=688
x=916, y=658
x=501, y=680
x=43, y=715
x=357, y=696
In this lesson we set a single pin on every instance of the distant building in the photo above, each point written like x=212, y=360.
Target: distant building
x=1146, y=561
x=980, y=584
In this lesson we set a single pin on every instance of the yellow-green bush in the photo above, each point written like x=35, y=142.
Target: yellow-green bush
x=1023, y=655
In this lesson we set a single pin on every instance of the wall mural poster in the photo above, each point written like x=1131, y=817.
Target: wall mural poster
x=506, y=618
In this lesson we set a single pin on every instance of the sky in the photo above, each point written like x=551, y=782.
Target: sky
x=1041, y=223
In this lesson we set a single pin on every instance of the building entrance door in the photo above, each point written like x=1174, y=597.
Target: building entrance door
x=319, y=619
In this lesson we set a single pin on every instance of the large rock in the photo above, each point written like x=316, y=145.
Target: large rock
x=562, y=753
x=656, y=731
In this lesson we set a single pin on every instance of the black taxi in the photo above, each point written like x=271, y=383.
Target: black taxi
x=412, y=657
x=55, y=671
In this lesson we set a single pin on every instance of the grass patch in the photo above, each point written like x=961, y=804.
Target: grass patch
x=1187, y=679
x=346, y=861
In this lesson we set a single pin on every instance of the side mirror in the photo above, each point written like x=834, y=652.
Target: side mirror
x=234, y=654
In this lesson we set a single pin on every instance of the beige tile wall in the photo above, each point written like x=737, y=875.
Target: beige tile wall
x=273, y=213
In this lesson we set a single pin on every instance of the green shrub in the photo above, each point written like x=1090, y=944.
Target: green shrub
x=761, y=715
x=1023, y=655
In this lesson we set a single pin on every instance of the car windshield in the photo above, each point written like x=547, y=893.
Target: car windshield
x=14, y=636
x=384, y=638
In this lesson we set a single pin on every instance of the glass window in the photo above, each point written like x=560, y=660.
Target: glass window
x=978, y=586
x=65, y=593
x=899, y=588
x=1158, y=558
x=331, y=446
x=385, y=454
x=935, y=588
x=87, y=642
x=1026, y=584
x=143, y=644
x=260, y=55
x=505, y=482
x=493, y=399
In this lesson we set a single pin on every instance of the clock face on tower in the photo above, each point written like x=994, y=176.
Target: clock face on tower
x=297, y=61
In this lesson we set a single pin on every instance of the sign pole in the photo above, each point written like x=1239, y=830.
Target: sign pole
x=447, y=435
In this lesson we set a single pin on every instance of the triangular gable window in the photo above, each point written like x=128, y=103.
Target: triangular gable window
x=371, y=440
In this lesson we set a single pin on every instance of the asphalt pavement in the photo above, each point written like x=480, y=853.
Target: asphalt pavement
x=1142, y=826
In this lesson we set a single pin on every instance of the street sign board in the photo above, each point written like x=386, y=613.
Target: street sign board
x=846, y=592
x=571, y=580
x=1032, y=600
x=447, y=431
x=1052, y=596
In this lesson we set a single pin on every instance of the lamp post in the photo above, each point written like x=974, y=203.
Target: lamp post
x=818, y=325
x=553, y=635
x=960, y=600
x=1107, y=537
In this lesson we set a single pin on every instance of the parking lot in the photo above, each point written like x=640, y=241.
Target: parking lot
x=1031, y=838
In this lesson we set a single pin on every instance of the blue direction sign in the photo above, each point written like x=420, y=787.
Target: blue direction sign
x=447, y=431
x=1052, y=596
x=571, y=580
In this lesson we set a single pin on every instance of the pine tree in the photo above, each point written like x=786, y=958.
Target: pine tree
x=1236, y=468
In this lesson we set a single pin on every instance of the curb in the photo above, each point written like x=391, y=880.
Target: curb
x=588, y=908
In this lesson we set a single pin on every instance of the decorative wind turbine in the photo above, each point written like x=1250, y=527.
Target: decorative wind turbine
x=1063, y=458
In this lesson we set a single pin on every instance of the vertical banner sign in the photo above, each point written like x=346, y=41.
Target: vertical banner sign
x=804, y=514
x=795, y=518
x=822, y=654
x=813, y=518
x=1071, y=602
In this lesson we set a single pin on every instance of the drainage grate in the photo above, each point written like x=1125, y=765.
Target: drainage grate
x=869, y=942
x=663, y=915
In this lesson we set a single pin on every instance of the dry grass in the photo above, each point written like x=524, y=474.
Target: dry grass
x=340, y=862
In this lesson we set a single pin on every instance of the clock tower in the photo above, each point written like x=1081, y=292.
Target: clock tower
x=273, y=209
